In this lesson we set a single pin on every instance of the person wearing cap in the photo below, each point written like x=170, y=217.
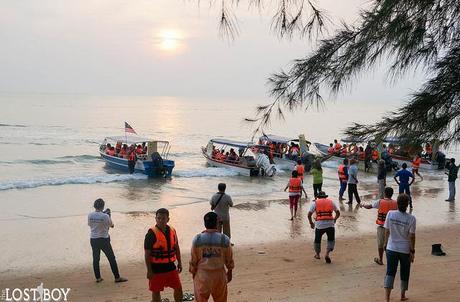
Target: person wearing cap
x=99, y=222
x=162, y=250
x=220, y=204
x=325, y=223
x=353, y=182
x=211, y=254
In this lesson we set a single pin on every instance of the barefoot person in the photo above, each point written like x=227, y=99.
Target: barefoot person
x=161, y=252
x=400, y=246
x=325, y=223
x=384, y=206
x=342, y=171
x=100, y=221
x=295, y=192
x=211, y=254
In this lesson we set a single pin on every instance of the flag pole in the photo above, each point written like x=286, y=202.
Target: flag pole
x=126, y=135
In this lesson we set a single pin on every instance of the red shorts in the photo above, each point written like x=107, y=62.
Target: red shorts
x=293, y=201
x=162, y=280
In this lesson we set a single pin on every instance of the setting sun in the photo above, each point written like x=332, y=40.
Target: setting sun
x=169, y=40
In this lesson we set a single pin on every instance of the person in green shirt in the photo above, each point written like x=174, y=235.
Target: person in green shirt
x=317, y=173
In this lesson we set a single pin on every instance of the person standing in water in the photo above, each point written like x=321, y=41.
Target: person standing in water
x=295, y=192
x=317, y=172
x=403, y=182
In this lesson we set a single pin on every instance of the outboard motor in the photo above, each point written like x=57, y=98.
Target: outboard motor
x=307, y=161
x=441, y=159
x=263, y=162
x=157, y=163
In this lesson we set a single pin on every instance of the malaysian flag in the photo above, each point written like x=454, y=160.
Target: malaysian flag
x=129, y=129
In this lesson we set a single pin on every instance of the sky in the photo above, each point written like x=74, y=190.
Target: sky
x=159, y=48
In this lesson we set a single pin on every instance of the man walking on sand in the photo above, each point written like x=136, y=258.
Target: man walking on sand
x=325, y=223
x=100, y=221
x=161, y=251
x=384, y=206
x=211, y=254
x=295, y=192
x=220, y=204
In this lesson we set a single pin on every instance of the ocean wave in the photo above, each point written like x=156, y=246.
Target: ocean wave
x=57, y=161
x=35, y=183
x=16, y=126
x=205, y=172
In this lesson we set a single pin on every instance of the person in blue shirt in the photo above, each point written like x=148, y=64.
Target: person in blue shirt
x=403, y=182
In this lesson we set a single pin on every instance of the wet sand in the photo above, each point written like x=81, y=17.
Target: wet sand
x=285, y=271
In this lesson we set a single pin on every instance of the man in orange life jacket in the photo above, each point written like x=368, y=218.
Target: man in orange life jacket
x=325, y=223
x=295, y=192
x=383, y=206
x=331, y=149
x=337, y=146
x=161, y=251
x=342, y=171
x=416, y=165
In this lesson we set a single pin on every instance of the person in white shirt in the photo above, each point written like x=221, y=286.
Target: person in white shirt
x=99, y=222
x=400, y=245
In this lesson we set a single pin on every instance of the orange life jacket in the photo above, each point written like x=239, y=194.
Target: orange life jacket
x=111, y=152
x=384, y=207
x=161, y=252
x=139, y=150
x=324, y=209
x=330, y=150
x=341, y=171
x=337, y=147
x=375, y=154
x=361, y=155
x=300, y=170
x=416, y=163
x=132, y=156
x=343, y=152
x=295, y=185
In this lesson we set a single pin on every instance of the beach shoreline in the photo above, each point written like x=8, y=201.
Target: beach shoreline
x=282, y=271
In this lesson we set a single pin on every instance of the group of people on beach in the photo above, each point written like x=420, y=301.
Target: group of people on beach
x=211, y=263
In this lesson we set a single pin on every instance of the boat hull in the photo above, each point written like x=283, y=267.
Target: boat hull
x=146, y=167
x=242, y=170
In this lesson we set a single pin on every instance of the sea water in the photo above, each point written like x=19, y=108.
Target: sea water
x=51, y=173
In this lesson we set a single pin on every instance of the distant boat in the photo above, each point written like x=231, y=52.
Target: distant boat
x=153, y=161
x=248, y=161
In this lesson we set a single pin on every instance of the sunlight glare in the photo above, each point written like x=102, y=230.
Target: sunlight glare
x=170, y=40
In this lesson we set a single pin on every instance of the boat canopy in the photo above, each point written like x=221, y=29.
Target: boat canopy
x=132, y=139
x=351, y=139
x=232, y=143
x=278, y=139
x=392, y=139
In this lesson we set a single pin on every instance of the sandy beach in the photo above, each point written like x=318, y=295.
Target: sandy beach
x=285, y=271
